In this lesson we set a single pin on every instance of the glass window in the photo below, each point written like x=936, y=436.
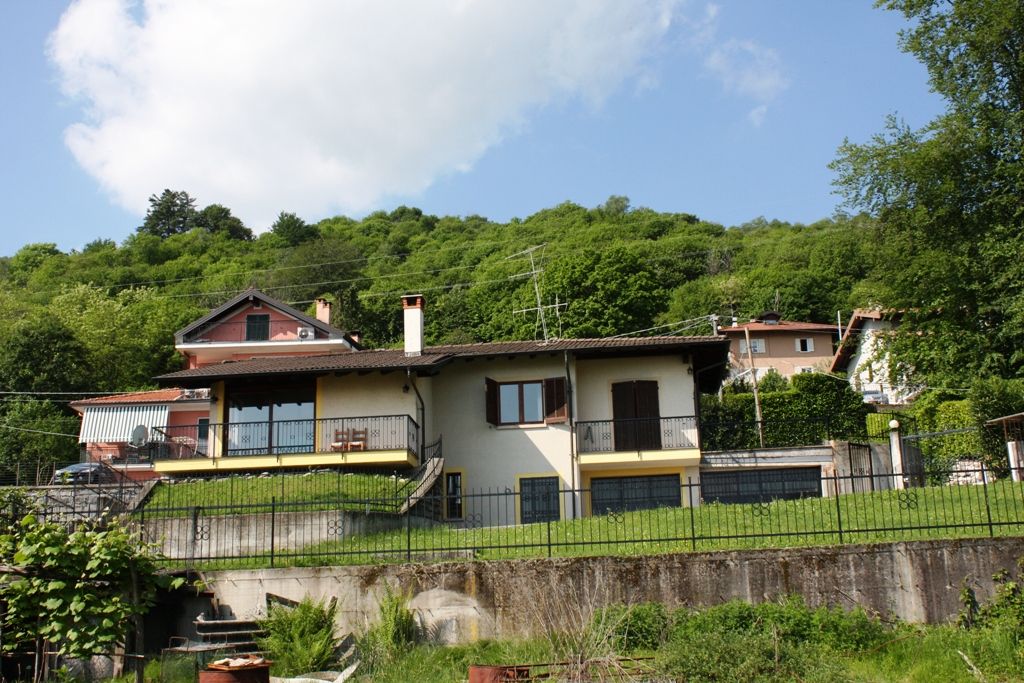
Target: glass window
x=805, y=345
x=521, y=402
x=756, y=346
x=277, y=421
x=453, y=495
x=539, y=499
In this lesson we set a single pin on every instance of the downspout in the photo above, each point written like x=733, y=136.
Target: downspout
x=572, y=431
x=421, y=413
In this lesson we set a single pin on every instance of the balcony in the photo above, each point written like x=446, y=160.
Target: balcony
x=658, y=441
x=373, y=441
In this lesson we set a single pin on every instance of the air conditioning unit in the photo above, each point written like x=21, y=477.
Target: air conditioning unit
x=305, y=333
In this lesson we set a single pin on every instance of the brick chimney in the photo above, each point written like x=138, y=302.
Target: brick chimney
x=323, y=311
x=412, y=305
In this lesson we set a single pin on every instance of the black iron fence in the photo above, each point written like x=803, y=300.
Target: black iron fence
x=829, y=510
x=636, y=434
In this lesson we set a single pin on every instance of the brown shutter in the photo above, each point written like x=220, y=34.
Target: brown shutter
x=555, y=409
x=491, y=400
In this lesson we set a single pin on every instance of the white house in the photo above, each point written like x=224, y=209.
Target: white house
x=862, y=356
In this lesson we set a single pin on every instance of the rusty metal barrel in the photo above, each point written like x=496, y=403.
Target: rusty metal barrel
x=479, y=673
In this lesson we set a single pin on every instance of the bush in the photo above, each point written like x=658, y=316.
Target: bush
x=636, y=627
x=300, y=639
x=396, y=629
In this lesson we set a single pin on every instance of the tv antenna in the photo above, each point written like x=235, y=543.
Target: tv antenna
x=540, y=308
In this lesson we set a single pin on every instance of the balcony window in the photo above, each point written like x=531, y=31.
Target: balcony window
x=271, y=421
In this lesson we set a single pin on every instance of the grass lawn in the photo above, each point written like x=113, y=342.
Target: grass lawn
x=921, y=513
x=323, y=490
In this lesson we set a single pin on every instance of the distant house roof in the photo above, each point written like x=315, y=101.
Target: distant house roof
x=777, y=325
x=252, y=294
x=848, y=343
x=709, y=352
x=168, y=395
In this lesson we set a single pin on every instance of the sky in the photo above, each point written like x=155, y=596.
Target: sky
x=730, y=110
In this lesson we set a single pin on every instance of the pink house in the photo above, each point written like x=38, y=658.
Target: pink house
x=787, y=346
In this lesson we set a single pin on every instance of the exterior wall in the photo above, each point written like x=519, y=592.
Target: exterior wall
x=492, y=457
x=917, y=581
x=185, y=418
x=869, y=368
x=594, y=379
x=232, y=329
x=780, y=352
x=357, y=395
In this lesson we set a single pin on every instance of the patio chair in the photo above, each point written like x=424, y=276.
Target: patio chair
x=341, y=440
x=358, y=441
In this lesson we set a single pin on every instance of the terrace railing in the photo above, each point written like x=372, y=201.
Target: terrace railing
x=285, y=437
x=637, y=434
x=490, y=525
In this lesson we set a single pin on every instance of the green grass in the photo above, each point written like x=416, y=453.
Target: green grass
x=920, y=513
x=313, y=490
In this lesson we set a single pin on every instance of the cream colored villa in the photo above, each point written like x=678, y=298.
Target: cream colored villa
x=617, y=417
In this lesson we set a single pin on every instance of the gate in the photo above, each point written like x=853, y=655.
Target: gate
x=935, y=454
x=862, y=471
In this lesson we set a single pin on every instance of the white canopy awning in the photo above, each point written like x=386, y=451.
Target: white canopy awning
x=115, y=423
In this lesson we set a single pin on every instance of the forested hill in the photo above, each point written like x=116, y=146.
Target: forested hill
x=102, y=319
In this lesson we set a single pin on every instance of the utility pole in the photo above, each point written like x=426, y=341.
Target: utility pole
x=753, y=379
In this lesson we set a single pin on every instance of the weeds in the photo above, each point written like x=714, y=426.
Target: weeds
x=396, y=630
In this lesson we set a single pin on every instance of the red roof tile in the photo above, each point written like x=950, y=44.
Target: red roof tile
x=168, y=395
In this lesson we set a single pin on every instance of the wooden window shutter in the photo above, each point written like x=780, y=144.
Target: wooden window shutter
x=555, y=408
x=491, y=400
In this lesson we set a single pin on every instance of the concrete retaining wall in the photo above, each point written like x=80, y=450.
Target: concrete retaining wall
x=917, y=581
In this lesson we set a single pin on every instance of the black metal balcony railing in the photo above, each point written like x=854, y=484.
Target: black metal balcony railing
x=636, y=434
x=326, y=435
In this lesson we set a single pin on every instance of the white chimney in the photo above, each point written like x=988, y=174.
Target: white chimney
x=323, y=311
x=412, y=305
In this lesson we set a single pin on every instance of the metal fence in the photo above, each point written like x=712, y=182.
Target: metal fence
x=884, y=508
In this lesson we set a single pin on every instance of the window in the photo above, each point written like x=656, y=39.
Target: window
x=756, y=345
x=805, y=344
x=271, y=420
x=754, y=486
x=804, y=369
x=257, y=327
x=539, y=499
x=530, y=402
x=453, y=495
x=619, y=494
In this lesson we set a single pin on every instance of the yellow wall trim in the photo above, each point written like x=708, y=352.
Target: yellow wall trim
x=679, y=457
x=395, y=458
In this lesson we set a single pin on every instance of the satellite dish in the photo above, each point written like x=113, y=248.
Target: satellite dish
x=139, y=436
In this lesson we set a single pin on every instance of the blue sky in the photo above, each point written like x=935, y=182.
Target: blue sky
x=728, y=110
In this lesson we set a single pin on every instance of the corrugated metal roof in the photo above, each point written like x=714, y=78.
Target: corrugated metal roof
x=115, y=423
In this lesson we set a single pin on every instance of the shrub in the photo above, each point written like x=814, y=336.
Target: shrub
x=636, y=627
x=300, y=639
x=396, y=629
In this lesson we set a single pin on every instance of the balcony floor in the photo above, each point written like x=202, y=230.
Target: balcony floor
x=674, y=457
x=398, y=458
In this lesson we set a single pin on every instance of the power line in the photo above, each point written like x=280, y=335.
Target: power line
x=36, y=431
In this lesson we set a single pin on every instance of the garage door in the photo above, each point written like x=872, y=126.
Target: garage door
x=758, y=486
x=616, y=494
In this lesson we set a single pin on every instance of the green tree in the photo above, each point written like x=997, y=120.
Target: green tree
x=75, y=591
x=41, y=354
x=35, y=434
x=950, y=197
x=292, y=229
x=170, y=213
x=218, y=218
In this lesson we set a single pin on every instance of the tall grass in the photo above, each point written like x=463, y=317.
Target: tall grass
x=300, y=639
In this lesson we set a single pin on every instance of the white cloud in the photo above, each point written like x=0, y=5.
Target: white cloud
x=323, y=105
x=743, y=67
x=746, y=68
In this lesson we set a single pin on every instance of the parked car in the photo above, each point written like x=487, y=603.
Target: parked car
x=84, y=473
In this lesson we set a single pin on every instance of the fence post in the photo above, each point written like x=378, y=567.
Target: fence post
x=693, y=527
x=839, y=508
x=408, y=535
x=988, y=510
x=195, y=534
x=549, y=538
x=273, y=526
